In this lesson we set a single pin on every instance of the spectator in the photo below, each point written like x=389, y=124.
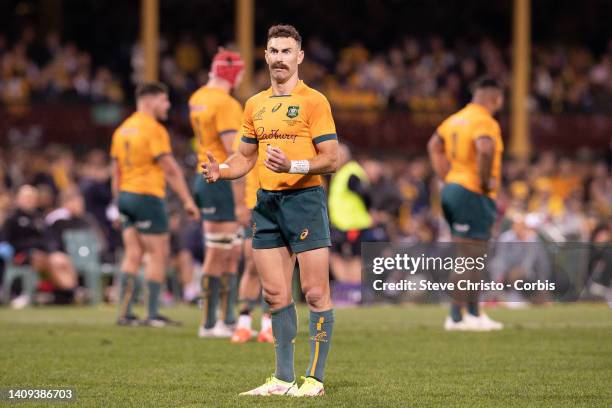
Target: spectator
x=519, y=255
x=26, y=232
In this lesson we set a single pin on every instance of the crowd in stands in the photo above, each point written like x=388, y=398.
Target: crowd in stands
x=560, y=198
x=34, y=70
x=417, y=74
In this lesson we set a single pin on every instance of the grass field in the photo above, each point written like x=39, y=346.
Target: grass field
x=557, y=356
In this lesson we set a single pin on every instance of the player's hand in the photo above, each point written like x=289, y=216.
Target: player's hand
x=276, y=160
x=192, y=210
x=210, y=170
x=243, y=215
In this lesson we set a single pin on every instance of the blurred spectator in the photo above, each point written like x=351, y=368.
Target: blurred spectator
x=600, y=263
x=95, y=184
x=520, y=255
x=26, y=232
x=62, y=223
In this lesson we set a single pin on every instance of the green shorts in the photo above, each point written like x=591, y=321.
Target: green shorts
x=145, y=212
x=294, y=218
x=469, y=214
x=215, y=200
x=248, y=232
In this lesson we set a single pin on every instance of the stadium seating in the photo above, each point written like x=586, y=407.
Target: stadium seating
x=24, y=272
x=83, y=248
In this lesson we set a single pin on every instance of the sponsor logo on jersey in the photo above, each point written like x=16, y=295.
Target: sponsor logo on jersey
x=261, y=134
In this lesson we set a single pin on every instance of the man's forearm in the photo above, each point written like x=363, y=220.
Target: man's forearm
x=177, y=183
x=485, y=164
x=115, y=188
x=115, y=176
x=440, y=164
x=236, y=166
x=323, y=164
x=437, y=156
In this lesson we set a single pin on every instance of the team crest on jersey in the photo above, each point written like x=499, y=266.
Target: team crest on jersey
x=277, y=107
x=293, y=111
x=259, y=114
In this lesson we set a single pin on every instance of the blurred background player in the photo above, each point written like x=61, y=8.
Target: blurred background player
x=466, y=152
x=142, y=162
x=289, y=131
x=249, y=290
x=349, y=201
x=216, y=118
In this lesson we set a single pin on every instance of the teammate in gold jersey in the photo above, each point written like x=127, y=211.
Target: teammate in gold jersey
x=250, y=287
x=289, y=134
x=216, y=118
x=466, y=152
x=142, y=162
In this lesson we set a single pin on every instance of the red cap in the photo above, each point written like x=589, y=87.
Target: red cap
x=227, y=65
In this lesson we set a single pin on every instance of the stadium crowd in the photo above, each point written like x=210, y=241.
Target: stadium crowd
x=561, y=199
x=419, y=74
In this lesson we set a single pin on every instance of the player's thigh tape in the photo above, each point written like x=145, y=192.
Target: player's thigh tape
x=220, y=240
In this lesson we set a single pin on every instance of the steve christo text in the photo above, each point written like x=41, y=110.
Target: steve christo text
x=461, y=285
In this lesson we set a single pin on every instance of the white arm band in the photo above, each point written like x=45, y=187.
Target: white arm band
x=299, y=167
x=223, y=166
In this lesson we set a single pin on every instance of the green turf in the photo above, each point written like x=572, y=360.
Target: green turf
x=557, y=356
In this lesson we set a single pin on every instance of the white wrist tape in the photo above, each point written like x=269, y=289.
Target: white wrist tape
x=299, y=167
x=223, y=166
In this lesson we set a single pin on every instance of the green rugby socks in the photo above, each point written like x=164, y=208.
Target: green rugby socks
x=129, y=287
x=153, y=298
x=320, y=331
x=284, y=329
x=473, y=309
x=455, y=312
x=210, y=290
x=229, y=295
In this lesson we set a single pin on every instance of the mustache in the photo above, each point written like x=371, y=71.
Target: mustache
x=279, y=65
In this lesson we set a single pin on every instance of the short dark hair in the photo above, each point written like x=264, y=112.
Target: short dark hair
x=150, y=88
x=285, y=31
x=486, y=82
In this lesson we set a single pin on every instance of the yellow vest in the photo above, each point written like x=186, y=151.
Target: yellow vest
x=347, y=210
